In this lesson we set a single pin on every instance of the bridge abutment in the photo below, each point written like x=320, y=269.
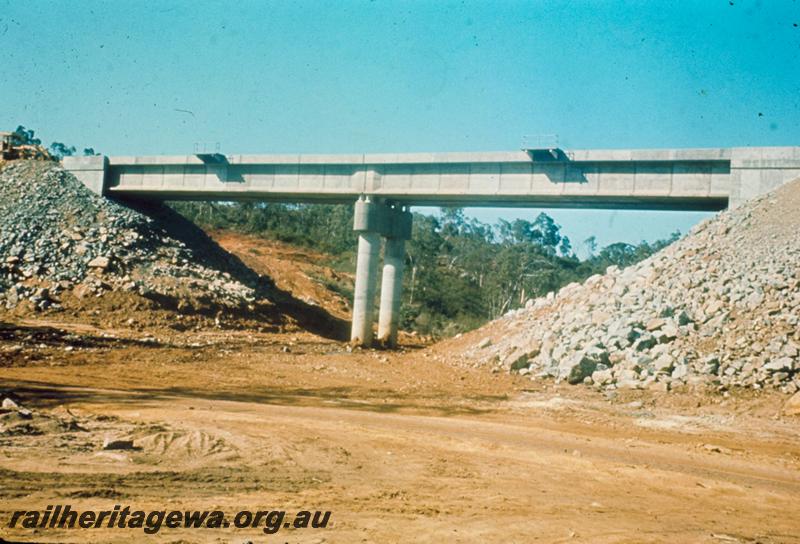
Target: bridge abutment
x=91, y=171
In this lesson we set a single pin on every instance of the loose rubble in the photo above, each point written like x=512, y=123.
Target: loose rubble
x=57, y=238
x=720, y=307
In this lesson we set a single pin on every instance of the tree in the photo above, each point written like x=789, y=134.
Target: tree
x=591, y=245
x=59, y=150
x=27, y=136
x=620, y=254
x=565, y=247
x=543, y=231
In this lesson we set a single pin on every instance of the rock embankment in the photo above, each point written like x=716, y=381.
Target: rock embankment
x=720, y=306
x=57, y=238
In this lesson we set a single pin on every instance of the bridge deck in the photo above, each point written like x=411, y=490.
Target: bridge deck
x=692, y=179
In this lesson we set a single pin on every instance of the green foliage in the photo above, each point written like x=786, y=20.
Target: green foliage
x=326, y=228
x=59, y=150
x=460, y=272
x=622, y=254
x=27, y=136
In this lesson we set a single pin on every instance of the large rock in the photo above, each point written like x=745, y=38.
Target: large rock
x=520, y=358
x=577, y=368
x=779, y=364
x=664, y=364
x=99, y=262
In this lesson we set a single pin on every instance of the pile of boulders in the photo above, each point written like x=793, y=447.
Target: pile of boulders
x=719, y=307
x=57, y=237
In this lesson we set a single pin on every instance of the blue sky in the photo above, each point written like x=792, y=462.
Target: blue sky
x=151, y=77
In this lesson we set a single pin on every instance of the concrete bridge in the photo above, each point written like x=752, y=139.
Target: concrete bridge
x=384, y=186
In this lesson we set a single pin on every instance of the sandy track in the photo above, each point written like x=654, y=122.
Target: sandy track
x=445, y=459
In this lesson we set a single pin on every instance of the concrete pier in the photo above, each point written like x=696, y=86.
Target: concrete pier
x=370, y=221
x=394, y=256
x=373, y=220
x=369, y=245
x=391, y=290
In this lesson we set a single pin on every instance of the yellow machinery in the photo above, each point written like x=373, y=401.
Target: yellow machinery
x=12, y=147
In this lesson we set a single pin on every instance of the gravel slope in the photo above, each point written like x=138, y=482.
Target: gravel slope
x=718, y=307
x=57, y=237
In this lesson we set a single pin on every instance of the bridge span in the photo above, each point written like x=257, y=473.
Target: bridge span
x=384, y=186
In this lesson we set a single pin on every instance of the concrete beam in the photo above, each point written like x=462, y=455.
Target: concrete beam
x=634, y=183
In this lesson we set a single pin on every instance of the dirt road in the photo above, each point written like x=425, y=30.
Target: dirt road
x=399, y=447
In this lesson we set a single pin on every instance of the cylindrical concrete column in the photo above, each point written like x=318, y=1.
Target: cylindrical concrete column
x=394, y=256
x=369, y=246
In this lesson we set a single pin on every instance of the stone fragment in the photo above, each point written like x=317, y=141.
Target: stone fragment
x=792, y=406
x=645, y=342
x=655, y=324
x=664, y=364
x=9, y=404
x=602, y=377
x=110, y=444
x=576, y=368
x=779, y=364
x=709, y=364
